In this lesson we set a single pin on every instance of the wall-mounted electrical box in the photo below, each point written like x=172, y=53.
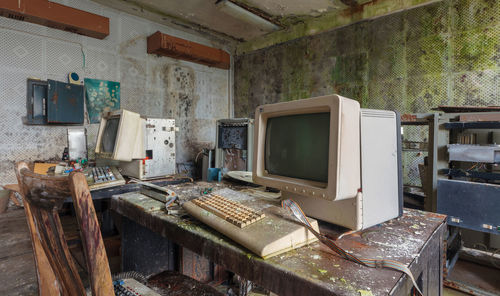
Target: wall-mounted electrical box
x=65, y=102
x=234, y=150
x=36, y=102
x=54, y=102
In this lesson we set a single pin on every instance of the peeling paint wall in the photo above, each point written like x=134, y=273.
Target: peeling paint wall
x=193, y=94
x=445, y=53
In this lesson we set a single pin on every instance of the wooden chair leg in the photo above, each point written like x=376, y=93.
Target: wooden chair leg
x=13, y=188
x=47, y=281
x=14, y=199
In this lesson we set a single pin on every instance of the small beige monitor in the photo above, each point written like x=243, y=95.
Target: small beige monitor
x=121, y=136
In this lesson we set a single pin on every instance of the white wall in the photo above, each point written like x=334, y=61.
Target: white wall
x=193, y=94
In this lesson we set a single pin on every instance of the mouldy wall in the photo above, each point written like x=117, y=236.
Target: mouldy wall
x=445, y=53
x=193, y=94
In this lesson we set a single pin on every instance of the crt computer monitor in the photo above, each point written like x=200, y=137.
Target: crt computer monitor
x=120, y=136
x=339, y=162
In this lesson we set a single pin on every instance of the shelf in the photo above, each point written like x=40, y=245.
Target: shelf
x=472, y=125
x=426, y=122
x=414, y=150
x=471, y=174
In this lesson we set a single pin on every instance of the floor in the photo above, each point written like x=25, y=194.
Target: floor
x=483, y=277
x=17, y=268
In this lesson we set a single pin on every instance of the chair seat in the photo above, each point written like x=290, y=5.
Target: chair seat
x=173, y=283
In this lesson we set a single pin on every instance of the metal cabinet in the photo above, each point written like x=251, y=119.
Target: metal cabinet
x=467, y=189
x=36, y=102
x=419, y=153
x=65, y=103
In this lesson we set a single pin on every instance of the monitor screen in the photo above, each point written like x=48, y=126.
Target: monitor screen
x=109, y=135
x=297, y=146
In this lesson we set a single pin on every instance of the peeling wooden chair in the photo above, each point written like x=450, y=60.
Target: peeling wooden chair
x=57, y=273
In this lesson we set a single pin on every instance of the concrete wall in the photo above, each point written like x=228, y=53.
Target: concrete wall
x=193, y=94
x=445, y=53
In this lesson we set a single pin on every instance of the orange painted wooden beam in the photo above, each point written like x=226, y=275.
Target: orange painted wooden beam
x=170, y=46
x=56, y=16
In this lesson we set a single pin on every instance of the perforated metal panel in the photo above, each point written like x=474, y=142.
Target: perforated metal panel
x=480, y=88
x=447, y=52
x=121, y=56
x=63, y=57
x=136, y=31
x=21, y=51
x=133, y=71
x=101, y=65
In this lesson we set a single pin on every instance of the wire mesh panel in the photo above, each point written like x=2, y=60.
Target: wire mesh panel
x=415, y=147
x=34, y=51
x=21, y=51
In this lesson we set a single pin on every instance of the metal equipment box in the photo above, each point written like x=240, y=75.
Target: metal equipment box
x=65, y=102
x=470, y=205
x=36, y=102
x=474, y=153
x=159, y=144
x=234, y=150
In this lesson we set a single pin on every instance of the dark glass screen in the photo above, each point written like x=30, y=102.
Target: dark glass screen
x=297, y=146
x=109, y=135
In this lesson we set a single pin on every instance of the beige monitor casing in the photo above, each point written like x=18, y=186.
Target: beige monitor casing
x=363, y=170
x=129, y=141
x=344, y=165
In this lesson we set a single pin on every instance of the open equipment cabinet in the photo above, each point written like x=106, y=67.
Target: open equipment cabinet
x=234, y=144
x=468, y=181
x=419, y=157
x=53, y=102
x=468, y=171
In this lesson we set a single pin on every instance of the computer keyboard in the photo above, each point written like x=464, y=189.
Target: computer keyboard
x=102, y=174
x=267, y=230
x=231, y=211
x=103, y=177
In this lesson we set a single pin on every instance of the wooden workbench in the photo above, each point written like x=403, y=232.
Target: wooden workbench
x=415, y=239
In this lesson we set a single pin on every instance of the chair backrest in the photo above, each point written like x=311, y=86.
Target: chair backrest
x=47, y=281
x=44, y=196
x=90, y=233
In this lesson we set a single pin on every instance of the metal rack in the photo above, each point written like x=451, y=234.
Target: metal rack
x=419, y=133
x=468, y=196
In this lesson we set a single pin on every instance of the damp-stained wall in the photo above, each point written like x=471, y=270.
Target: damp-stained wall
x=193, y=94
x=444, y=53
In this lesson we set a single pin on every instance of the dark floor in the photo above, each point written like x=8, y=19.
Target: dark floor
x=471, y=274
x=17, y=266
x=18, y=276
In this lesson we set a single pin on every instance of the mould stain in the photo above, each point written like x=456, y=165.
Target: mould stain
x=446, y=52
x=189, y=96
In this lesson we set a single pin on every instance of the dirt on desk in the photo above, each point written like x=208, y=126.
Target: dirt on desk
x=402, y=239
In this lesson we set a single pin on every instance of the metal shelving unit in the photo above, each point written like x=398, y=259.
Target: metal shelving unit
x=467, y=195
x=419, y=133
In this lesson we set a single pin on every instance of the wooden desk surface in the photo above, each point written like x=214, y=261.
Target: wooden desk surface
x=415, y=239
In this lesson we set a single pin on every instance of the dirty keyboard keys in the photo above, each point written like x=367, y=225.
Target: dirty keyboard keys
x=229, y=210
